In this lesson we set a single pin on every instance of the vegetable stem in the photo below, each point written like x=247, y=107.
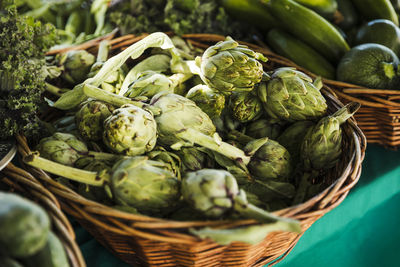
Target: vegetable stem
x=82, y=176
x=221, y=147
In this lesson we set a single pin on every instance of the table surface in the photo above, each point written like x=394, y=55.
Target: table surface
x=362, y=231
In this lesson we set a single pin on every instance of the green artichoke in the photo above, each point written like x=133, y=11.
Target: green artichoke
x=210, y=101
x=130, y=130
x=290, y=95
x=321, y=147
x=182, y=123
x=264, y=128
x=216, y=193
x=245, y=106
x=77, y=65
x=149, y=84
x=62, y=148
x=114, y=79
x=228, y=66
x=269, y=160
x=194, y=159
x=138, y=182
x=172, y=161
x=90, y=119
x=145, y=185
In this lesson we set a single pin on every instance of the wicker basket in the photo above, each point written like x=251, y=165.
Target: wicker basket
x=141, y=240
x=23, y=183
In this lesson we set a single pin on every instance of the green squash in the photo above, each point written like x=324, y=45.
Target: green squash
x=380, y=31
x=24, y=226
x=52, y=255
x=370, y=65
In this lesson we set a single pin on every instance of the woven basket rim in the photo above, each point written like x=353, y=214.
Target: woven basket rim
x=323, y=202
x=22, y=182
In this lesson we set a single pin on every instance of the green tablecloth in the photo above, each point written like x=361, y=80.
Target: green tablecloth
x=362, y=231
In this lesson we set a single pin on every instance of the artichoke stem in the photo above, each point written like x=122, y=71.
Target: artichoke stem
x=223, y=148
x=102, y=54
x=252, y=212
x=104, y=156
x=186, y=66
x=113, y=99
x=343, y=114
x=82, y=176
x=55, y=90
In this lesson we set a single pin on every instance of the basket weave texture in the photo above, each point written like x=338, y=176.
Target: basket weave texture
x=23, y=183
x=148, y=241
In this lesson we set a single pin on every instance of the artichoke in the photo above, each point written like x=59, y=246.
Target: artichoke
x=130, y=130
x=292, y=137
x=144, y=184
x=149, y=84
x=321, y=147
x=228, y=66
x=90, y=118
x=290, y=95
x=182, y=123
x=245, y=106
x=114, y=79
x=264, y=128
x=77, y=65
x=210, y=101
x=134, y=181
x=269, y=160
x=62, y=148
x=194, y=159
x=172, y=161
x=216, y=193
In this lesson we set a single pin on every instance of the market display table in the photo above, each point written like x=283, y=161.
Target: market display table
x=362, y=231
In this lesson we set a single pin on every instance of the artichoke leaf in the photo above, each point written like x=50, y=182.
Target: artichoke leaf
x=252, y=234
x=74, y=97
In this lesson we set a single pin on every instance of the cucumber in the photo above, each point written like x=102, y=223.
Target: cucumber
x=24, y=226
x=250, y=11
x=320, y=6
x=377, y=9
x=300, y=53
x=310, y=27
x=52, y=255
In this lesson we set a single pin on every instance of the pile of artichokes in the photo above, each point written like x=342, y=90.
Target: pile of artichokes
x=191, y=136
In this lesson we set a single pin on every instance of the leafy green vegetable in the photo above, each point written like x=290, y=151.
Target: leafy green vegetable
x=23, y=43
x=181, y=17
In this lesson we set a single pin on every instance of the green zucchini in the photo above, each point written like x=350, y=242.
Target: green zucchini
x=377, y=9
x=370, y=65
x=320, y=6
x=24, y=226
x=310, y=27
x=300, y=53
x=52, y=255
x=380, y=31
x=251, y=11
